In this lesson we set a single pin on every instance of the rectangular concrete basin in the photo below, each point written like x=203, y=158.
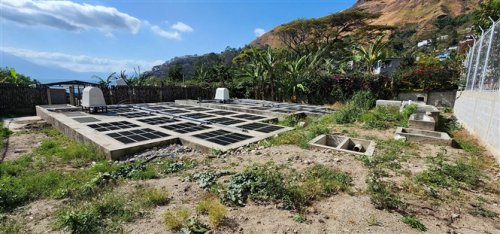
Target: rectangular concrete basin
x=343, y=144
x=422, y=121
x=423, y=136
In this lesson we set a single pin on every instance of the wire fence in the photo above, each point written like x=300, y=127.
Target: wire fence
x=482, y=65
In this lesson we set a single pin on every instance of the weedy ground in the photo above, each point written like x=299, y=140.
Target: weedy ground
x=277, y=185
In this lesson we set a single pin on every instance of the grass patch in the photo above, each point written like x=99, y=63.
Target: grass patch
x=4, y=134
x=269, y=183
x=9, y=226
x=214, y=209
x=478, y=209
x=384, y=117
x=464, y=174
x=181, y=220
x=151, y=197
x=383, y=194
x=60, y=147
x=359, y=104
x=413, y=222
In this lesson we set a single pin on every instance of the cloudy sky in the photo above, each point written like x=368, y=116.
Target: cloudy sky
x=65, y=40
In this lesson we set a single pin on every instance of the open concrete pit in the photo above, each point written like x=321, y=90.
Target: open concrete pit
x=344, y=144
x=126, y=129
x=423, y=136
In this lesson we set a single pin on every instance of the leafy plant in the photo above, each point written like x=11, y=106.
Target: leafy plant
x=175, y=220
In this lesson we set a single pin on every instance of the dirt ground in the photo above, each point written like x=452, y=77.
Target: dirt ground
x=350, y=212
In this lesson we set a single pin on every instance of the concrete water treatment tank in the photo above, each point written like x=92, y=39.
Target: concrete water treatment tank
x=222, y=94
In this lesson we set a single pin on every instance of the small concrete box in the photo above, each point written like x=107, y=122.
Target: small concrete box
x=222, y=94
x=423, y=136
x=344, y=144
x=422, y=121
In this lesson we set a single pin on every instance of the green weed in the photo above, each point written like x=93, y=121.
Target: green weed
x=151, y=197
x=413, y=222
x=175, y=220
x=442, y=174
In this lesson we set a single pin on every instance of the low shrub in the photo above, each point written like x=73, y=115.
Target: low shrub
x=84, y=220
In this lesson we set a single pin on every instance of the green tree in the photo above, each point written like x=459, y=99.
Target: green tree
x=105, y=81
x=369, y=55
x=487, y=9
x=10, y=76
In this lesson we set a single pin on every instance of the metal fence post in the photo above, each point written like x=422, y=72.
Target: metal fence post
x=471, y=60
x=487, y=55
x=478, y=58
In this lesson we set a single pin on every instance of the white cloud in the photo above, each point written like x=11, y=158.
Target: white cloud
x=182, y=27
x=259, y=32
x=79, y=63
x=166, y=34
x=68, y=15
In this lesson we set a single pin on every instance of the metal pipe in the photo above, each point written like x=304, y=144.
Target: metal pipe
x=358, y=147
x=485, y=66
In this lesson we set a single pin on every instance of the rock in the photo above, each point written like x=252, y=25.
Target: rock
x=301, y=124
x=455, y=216
x=258, y=153
x=261, y=148
x=307, y=162
x=321, y=221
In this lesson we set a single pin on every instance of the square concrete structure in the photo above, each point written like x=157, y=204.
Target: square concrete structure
x=423, y=136
x=422, y=121
x=127, y=129
x=343, y=144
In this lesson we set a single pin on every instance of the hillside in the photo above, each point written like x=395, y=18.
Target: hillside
x=396, y=13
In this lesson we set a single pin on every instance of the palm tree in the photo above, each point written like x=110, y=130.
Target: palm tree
x=373, y=53
x=269, y=62
x=105, y=82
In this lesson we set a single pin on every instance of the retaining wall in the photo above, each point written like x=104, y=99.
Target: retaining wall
x=435, y=98
x=479, y=113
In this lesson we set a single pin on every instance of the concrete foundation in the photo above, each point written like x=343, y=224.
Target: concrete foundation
x=423, y=136
x=422, y=121
x=268, y=108
x=128, y=129
x=344, y=144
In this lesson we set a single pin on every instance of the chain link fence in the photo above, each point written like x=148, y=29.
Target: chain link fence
x=482, y=65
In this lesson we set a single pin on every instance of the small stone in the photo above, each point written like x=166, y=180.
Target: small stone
x=261, y=148
x=258, y=153
x=295, y=231
x=455, y=216
x=259, y=222
x=321, y=221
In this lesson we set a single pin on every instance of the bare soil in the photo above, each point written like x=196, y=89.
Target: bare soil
x=350, y=212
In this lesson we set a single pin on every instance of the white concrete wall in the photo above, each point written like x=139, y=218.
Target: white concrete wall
x=479, y=113
x=435, y=98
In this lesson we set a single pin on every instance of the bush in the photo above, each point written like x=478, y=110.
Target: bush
x=360, y=103
x=214, y=209
x=85, y=220
x=381, y=117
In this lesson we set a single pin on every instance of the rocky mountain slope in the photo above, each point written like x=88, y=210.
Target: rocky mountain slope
x=397, y=13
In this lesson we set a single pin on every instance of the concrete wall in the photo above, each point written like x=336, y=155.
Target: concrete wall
x=479, y=113
x=436, y=98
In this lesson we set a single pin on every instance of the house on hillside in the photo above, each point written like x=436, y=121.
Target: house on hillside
x=387, y=66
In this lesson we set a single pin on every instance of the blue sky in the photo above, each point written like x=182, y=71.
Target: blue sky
x=65, y=40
